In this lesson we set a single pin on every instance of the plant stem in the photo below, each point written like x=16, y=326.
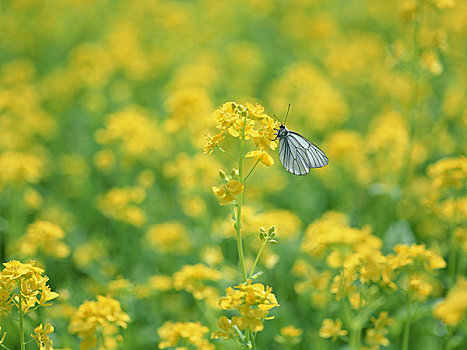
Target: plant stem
x=21, y=322
x=405, y=339
x=257, y=258
x=238, y=218
x=254, y=166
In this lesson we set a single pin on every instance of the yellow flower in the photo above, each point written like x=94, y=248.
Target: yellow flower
x=169, y=237
x=331, y=329
x=172, y=333
x=45, y=236
x=256, y=111
x=41, y=336
x=253, y=301
x=291, y=331
x=104, y=315
x=289, y=335
x=32, y=199
x=226, y=115
x=226, y=329
x=18, y=168
x=121, y=204
x=332, y=229
x=261, y=155
x=194, y=278
x=212, y=142
x=251, y=318
x=227, y=192
x=25, y=279
x=376, y=336
x=159, y=282
x=453, y=309
x=133, y=130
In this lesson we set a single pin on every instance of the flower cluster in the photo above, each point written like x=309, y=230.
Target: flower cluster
x=253, y=301
x=41, y=336
x=23, y=286
x=248, y=122
x=453, y=309
x=99, y=320
x=169, y=237
x=193, y=279
x=18, y=168
x=122, y=204
x=447, y=192
x=45, y=236
x=134, y=132
x=184, y=333
x=289, y=335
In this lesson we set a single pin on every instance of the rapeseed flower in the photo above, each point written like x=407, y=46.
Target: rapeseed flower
x=248, y=121
x=19, y=168
x=376, y=337
x=332, y=329
x=41, y=336
x=289, y=335
x=173, y=333
x=99, y=319
x=23, y=286
x=133, y=130
x=122, y=204
x=169, y=237
x=453, y=309
x=44, y=236
x=194, y=278
x=253, y=301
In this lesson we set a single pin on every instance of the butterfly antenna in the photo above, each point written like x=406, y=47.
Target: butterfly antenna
x=288, y=110
x=276, y=118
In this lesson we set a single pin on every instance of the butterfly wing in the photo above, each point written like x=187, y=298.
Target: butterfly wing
x=298, y=155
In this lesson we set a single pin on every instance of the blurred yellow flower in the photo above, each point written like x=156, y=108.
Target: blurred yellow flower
x=135, y=132
x=332, y=329
x=99, y=320
x=376, y=336
x=453, y=309
x=18, y=168
x=291, y=331
x=173, y=333
x=120, y=204
x=169, y=237
x=194, y=279
x=46, y=237
x=332, y=229
x=159, y=282
x=32, y=199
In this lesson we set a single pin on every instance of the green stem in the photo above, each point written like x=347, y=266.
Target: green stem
x=21, y=322
x=257, y=258
x=254, y=166
x=405, y=339
x=226, y=153
x=238, y=218
x=5, y=347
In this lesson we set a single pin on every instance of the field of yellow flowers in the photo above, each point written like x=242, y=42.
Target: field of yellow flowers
x=143, y=204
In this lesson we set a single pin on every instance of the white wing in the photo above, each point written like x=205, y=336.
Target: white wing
x=298, y=155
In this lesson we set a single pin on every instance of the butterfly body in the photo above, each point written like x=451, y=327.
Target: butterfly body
x=297, y=154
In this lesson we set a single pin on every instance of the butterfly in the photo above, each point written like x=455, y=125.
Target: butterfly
x=296, y=153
